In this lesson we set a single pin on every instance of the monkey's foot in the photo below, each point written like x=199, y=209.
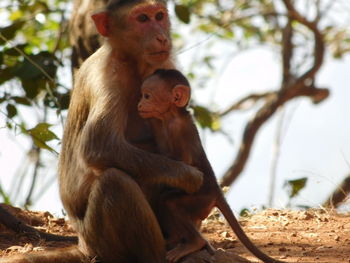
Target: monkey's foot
x=201, y=256
x=183, y=249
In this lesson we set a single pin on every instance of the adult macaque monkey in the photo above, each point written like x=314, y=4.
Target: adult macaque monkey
x=99, y=163
x=165, y=95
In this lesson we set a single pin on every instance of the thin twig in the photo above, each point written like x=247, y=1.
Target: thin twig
x=250, y=98
x=34, y=176
x=275, y=158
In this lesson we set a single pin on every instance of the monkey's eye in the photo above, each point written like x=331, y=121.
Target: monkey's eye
x=146, y=96
x=159, y=16
x=142, y=18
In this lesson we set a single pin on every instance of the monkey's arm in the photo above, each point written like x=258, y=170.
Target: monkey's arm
x=103, y=145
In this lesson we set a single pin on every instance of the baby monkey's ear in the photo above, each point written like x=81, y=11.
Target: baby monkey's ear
x=181, y=95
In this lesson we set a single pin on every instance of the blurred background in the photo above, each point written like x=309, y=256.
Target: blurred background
x=270, y=81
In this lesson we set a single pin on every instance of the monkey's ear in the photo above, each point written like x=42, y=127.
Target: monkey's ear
x=181, y=95
x=101, y=22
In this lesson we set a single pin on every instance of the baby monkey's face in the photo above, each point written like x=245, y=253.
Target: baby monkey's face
x=156, y=100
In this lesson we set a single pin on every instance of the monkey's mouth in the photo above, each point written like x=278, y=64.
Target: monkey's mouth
x=145, y=114
x=160, y=54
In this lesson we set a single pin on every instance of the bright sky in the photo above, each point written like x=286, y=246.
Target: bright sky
x=316, y=142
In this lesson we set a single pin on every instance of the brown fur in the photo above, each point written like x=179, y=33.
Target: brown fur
x=99, y=163
x=181, y=213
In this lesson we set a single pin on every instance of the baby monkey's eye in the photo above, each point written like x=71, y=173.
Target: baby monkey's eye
x=146, y=96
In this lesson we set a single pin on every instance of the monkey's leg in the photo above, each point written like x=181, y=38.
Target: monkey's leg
x=192, y=242
x=202, y=256
x=119, y=225
x=182, y=231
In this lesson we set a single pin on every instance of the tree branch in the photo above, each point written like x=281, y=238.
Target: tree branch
x=290, y=89
x=252, y=98
x=11, y=222
x=319, y=47
x=339, y=195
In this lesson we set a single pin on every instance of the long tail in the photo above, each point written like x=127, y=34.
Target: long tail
x=62, y=255
x=233, y=222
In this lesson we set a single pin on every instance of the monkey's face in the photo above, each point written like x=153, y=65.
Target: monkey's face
x=156, y=100
x=148, y=29
x=139, y=32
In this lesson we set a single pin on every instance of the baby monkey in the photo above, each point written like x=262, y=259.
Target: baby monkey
x=165, y=96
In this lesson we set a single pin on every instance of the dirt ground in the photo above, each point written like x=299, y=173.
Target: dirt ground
x=291, y=236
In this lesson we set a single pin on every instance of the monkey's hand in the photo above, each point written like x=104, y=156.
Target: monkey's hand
x=190, y=181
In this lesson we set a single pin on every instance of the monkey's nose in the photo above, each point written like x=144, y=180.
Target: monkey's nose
x=162, y=39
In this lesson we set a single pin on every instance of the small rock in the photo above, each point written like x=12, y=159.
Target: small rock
x=58, y=221
x=13, y=248
x=282, y=249
x=225, y=234
x=307, y=216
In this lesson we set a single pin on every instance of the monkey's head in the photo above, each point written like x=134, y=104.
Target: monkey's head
x=137, y=29
x=164, y=94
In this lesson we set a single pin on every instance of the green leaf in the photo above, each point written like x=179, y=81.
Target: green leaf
x=203, y=116
x=11, y=111
x=41, y=134
x=64, y=100
x=208, y=60
x=295, y=186
x=38, y=6
x=229, y=34
x=45, y=60
x=9, y=32
x=33, y=87
x=207, y=28
x=22, y=100
x=245, y=212
x=5, y=196
x=26, y=71
x=183, y=13
x=14, y=51
x=206, y=118
x=5, y=75
x=16, y=15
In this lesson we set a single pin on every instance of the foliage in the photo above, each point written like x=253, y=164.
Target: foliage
x=295, y=186
x=41, y=134
x=33, y=43
x=33, y=48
